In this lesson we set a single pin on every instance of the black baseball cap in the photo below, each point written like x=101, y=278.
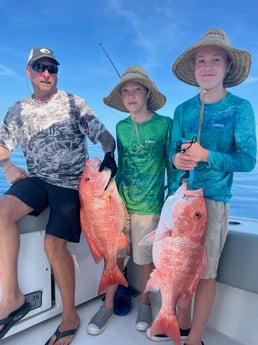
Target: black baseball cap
x=38, y=53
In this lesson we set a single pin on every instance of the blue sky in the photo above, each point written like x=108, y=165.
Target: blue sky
x=151, y=33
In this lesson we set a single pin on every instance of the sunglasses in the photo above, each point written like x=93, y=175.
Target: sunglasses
x=38, y=67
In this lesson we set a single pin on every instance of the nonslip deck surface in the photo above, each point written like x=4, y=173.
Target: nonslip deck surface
x=121, y=330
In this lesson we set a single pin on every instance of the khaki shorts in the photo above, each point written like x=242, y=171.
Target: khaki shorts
x=216, y=234
x=137, y=226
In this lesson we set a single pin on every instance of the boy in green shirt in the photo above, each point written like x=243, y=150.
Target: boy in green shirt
x=143, y=142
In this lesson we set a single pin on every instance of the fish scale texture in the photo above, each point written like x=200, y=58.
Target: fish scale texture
x=103, y=217
x=179, y=256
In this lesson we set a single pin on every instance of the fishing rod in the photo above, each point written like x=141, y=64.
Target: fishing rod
x=110, y=60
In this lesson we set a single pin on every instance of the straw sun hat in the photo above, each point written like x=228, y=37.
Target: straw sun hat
x=137, y=74
x=183, y=67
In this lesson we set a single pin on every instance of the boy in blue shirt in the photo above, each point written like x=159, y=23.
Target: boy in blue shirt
x=224, y=128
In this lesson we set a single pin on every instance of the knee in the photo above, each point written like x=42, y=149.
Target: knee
x=12, y=210
x=4, y=208
x=7, y=215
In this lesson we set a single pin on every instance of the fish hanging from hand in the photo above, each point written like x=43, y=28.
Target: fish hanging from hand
x=103, y=217
x=179, y=256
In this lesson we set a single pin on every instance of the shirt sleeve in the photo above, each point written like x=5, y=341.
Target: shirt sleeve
x=243, y=154
x=171, y=172
x=9, y=132
x=89, y=123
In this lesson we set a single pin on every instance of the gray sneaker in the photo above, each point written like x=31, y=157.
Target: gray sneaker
x=144, y=318
x=100, y=320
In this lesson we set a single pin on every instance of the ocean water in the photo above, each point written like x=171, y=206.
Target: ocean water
x=244, y=202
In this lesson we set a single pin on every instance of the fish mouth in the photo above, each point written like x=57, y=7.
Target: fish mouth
x=108, y=182
x=109, y=179
x=100, y=187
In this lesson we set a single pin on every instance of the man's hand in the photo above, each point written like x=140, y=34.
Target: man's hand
x=14, y=174
x=110, y=163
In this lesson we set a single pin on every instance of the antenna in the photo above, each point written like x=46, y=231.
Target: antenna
x=110, y=60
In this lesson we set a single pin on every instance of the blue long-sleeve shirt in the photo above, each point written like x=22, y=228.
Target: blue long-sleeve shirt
x=228, y=132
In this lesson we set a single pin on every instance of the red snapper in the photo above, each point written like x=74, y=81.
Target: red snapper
x=179, y=256
x=103, y=217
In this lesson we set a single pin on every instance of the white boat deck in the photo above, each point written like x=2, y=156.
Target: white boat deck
x=121, y=330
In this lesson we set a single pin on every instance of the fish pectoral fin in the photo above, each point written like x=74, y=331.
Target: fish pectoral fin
x=148, y=239
x=164, y=234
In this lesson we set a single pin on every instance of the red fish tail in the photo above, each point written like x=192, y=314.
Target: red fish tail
x=111, y=277
x=166, y=324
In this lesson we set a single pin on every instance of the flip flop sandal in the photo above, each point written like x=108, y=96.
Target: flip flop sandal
x=13, y=318
x=59, y=335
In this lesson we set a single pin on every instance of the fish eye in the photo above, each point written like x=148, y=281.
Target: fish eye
x=198, y=215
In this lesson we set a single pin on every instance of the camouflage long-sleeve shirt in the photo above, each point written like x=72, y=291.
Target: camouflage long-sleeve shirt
x=52, y=136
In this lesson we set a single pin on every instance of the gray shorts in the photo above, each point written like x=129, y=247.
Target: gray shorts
x=216, y=234
x=138, y=225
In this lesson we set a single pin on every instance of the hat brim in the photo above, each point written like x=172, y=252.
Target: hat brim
x=156, y=99
x=42, y=57
x=183, y=67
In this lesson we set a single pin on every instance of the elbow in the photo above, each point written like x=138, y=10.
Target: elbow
x=249, y=165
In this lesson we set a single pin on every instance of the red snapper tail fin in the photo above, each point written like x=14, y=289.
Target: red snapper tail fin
x=111, y=277
x=168, y=325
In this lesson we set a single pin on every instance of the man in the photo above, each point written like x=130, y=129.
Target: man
x=51, y=127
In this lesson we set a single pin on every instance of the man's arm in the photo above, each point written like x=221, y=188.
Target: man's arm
x=107, y=142
x=4, y=158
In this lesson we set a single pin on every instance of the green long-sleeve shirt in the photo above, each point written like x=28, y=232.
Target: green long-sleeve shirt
x=142, y=167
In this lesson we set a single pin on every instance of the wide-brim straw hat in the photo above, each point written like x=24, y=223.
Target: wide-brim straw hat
x=240, y=60
x=137, y=74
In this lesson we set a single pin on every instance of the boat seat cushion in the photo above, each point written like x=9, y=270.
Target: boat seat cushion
x=31, y=223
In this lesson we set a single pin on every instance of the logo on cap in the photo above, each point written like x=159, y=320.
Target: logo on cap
x=45, y=51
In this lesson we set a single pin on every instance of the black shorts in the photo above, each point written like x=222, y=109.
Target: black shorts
x=64, y=204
